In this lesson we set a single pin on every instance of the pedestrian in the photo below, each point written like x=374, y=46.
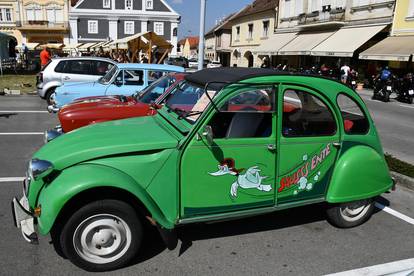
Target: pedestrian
x=44, y=57
x=144, y=59
x=344, y=71
x=265, y=63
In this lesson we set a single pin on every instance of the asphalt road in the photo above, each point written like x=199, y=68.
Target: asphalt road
x=292, y=242
x=395, y=123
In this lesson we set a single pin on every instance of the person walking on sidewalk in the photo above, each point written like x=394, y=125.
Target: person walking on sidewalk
x=44, y=57
x=345, y=69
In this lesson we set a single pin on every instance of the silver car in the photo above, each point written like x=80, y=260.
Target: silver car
x=71, y=69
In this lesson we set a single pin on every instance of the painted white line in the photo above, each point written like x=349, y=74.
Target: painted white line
x=11, y=179
x=403, y=267
x=394, y=213
x=24, y=111
x=22, y=133
x=406, y=106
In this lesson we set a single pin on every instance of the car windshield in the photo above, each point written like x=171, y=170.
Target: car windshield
x=109, y=75
x=156, y=89
x=189, y=101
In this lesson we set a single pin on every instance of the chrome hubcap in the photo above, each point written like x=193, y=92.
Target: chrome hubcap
x=354, y=213
x=102, y=238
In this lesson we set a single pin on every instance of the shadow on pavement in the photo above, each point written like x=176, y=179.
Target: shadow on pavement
x=7, y=115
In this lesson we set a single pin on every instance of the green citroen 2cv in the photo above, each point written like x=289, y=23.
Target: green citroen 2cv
x=228, y=143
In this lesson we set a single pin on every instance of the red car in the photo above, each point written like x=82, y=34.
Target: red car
x=90, y=110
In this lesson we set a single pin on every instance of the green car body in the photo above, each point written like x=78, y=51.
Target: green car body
x=168, y=166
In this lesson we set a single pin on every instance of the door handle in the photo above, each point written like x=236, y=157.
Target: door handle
x=336, y=144
x=271, y=147
x=66, y=78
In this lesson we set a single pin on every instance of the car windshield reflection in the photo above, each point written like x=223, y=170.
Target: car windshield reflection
x=107, y=78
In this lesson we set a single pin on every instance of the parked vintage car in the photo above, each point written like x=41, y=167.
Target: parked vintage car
x=228, y=143
x=69, y=70
x=91, y=110
x=122, y=79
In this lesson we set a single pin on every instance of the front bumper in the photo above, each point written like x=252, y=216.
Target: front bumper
x=24, y=219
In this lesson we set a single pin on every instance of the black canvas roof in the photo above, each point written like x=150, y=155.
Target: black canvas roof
x=220, y=77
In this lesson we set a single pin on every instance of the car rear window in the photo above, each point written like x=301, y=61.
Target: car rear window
x=354, y=119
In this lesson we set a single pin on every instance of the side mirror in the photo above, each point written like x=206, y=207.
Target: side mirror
x=207, y=133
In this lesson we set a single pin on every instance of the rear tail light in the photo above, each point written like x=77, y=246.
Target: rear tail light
x=40, y=77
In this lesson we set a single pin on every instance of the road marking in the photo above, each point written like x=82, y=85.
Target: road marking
x=402, y=267
x=22, y=133
x=394, y=213
x=11, y=179
x=24, y=111
x=406, y=106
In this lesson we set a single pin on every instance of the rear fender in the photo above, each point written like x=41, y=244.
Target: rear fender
x=72, y=181
x=360, y=173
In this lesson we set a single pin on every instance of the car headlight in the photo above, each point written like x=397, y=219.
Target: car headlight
x=39, y=168
x=51, y=134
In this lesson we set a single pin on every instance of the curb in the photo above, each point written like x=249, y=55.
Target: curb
x=403, y=180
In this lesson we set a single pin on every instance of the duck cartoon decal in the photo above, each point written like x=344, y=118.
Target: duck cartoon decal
x=249, y=180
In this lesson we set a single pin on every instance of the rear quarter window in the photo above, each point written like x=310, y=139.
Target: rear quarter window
x=354, y=119
x=59, y=67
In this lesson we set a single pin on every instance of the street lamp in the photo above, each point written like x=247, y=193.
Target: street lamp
x=201, y=35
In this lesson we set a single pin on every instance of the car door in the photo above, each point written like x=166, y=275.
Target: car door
x=308, y=144
x=237, y=170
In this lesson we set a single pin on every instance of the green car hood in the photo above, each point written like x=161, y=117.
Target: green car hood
x=105, y=139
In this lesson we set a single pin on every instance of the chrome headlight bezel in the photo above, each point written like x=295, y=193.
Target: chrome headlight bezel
x=39, y=168
x=51, y=134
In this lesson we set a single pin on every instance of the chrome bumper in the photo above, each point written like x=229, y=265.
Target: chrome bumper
x=52, y=134
x=24, y=219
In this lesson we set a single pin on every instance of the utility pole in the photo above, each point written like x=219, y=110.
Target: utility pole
x=201, y=35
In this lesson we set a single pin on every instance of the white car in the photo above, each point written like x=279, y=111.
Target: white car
x=214, y=64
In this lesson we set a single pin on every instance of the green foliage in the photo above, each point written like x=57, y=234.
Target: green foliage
x=399, y=166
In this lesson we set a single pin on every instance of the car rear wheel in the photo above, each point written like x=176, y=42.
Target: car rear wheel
x=102, y=235
x=350, y=214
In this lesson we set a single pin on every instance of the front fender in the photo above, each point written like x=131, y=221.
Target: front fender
x=359, y=173
x=77, y=179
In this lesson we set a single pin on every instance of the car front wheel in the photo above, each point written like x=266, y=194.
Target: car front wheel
x=102, y=235
x=350, y=214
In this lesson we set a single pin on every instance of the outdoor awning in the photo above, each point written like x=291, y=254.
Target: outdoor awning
x=304, y=43
x=143, y=39
x=70, y=47
x=86, y=46
x=30, y=46
x=272, y=45
x=53, y=45
x=346, y=41
x=398, y=48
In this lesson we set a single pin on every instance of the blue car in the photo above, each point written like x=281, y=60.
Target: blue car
x=121, y=79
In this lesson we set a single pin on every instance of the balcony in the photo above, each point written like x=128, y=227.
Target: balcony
x=42, y=25
x=328, y=18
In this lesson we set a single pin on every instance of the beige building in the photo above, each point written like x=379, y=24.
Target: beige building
x=190, y=48
x=9, y=15
x=250, y=28
x=43, y=21
x=218, y=42
x=328, y=31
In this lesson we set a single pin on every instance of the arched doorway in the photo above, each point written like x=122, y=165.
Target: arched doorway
x=250, y=60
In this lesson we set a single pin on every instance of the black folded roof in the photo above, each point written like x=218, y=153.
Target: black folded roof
x=220, y=77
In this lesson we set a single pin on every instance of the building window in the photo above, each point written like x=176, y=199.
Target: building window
x=5, y=15
x=107, y=4
x=54, y=13
x=265, y=28
x=129, y=27
x=33, y=13
x=250, y=34
x=238, y=33
x=159, y=28
x=128, y=4
x=149, y=4
x=218, y=40
x=175, y=31
x=92, y=26
x=286, y=11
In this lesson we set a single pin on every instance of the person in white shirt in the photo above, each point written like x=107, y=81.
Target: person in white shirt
x=345, y=69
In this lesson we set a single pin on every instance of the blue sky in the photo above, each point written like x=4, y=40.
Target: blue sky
x=190, y=13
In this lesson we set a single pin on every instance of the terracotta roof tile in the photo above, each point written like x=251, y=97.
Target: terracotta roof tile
x=256, y=7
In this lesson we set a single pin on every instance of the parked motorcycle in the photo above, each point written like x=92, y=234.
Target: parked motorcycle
x=383, y=89
x=405, y=92
x=352, y=79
